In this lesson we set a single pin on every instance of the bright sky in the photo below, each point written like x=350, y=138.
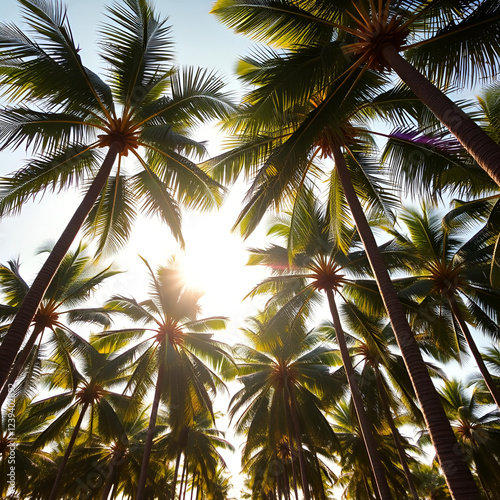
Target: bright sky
x=215, y=258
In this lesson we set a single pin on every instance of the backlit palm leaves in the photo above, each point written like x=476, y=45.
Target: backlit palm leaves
x=170, y=353
x=78, y=124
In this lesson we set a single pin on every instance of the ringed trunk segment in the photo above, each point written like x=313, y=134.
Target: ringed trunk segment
x=17, y=331
x=364, y=424
x=449, y=452
x=472, y=137
x=488, y=379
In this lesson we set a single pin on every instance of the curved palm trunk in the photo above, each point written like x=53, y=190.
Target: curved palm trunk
x=17, y=331
x=395, y=435
x=488, y=379
x=364, y=423
x=74, y=434
x=195, y=472
x=148, y=446
x=450, y=455
x=472, y=137
x=19, y=363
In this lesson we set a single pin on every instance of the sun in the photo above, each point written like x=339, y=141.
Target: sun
x=214, y=262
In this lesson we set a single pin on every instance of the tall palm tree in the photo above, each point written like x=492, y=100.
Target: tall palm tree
x=67, y=114
x=285, y=372
x=451, y=44
x=384, y=381
x=172, y=348
x=88, y=383
x=317, y=264
x=356, y=475
x=74, y=282
x=478, y=431
x=451, y=275
x=298, y=113
x=200, y=443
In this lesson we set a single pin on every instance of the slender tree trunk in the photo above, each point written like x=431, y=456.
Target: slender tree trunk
x=17, y=331
x=116, y=460
x=74, y=434
x=286, y=480
x=488, y=379
x=450, y=455
x=19, y=363
x=292, y=452
x=395, y=435
x=364, y=423
x=298, y=439
x=321, y=481
x=195, y=472
x=472, y=137
x=176, y=472
x=148, y=446
x=183, y=477
x=198, y=486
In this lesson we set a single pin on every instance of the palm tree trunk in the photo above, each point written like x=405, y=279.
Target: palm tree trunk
x=112, y=478
x=19, y=363
x=195, y=472
x=458, y=476
x=17, y=331
x=74, y=434
x=183, y=477
x=298, y=439
x=472, y=137
x=286, y=480
x=288, y=418
x=395, y=435
x=148, y=446
x=364, y=423
x=176, y=473
x=488, y=379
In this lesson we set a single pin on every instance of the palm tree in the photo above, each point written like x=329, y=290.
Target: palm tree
x=285, y=372
x=172, y=349
x=432, y=485
x=439, y=39
x=87, y=383
x=451, y=276
x=297, y=114
x=199, y=442
x=317, y=258
x=384, y=381
x=478, y=431
x=75, y=280
x=67, y=114
x=356, y=474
